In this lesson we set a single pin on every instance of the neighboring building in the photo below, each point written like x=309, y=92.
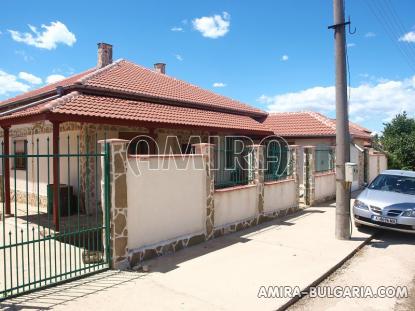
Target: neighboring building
x=312, y=128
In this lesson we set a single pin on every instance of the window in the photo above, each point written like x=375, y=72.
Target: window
x=229, y=153
x=20, y=152
x=187, y=149
x=392, y=183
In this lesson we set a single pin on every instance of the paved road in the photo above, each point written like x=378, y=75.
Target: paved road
x=388, y=261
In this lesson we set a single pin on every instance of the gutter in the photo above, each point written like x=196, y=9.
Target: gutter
x=59, y=92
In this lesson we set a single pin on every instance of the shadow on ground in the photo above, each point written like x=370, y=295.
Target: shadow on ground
x=49, y=298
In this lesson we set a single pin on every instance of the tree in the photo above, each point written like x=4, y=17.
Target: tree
x=398, y=140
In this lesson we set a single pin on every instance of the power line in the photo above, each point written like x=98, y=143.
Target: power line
x=395, y=26
x=390, y=32
x=400, y=26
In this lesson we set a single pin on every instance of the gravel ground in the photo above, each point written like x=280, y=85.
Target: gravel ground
x=388, y=261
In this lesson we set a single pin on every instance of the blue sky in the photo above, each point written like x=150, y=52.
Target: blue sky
x=277, y=55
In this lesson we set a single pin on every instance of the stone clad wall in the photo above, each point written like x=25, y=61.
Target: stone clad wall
x=217, y=216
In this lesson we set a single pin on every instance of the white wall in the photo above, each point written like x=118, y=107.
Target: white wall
x=235, y=205
x=280, y=195
x=165, y=204
x=325, y=186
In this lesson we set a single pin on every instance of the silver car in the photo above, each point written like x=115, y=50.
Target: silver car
x=388, y=202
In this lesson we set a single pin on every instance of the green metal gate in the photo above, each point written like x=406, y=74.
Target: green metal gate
x=44, y=241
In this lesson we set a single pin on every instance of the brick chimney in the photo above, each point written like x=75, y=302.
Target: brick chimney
x=104, y=54
x=160, y=68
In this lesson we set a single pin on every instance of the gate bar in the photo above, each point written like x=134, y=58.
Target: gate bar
x=55, y=143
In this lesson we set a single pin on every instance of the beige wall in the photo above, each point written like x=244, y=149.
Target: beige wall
x=235, y=205
x=280, y=195
x=314, y=141
x=325, y=186
x=39, y=176
x=377, y=164
x=165, y=204
x=357, y=156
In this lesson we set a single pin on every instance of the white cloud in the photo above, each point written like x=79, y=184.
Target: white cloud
x=350, y=45
x=379, y=100
x=408, y=37
x=284, y=58
x=48, y=39
x=24, y=55
x=179, y=57
x=54, y=78
x=10, y=84
x=219, y=84
x=213, y=26
x=28, y=77
x=176, y=29
x=370, y=34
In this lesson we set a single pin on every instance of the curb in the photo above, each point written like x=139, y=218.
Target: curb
x=325, y=275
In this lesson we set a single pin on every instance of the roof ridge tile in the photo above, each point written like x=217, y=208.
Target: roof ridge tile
x=56, y=103
x=94, y=73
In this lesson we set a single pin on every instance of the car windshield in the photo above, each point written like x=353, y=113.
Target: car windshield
x=393, y=183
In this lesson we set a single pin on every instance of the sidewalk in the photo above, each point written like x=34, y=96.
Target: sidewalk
x=223, y=274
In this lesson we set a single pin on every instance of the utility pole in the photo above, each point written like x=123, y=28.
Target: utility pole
x=342, y=125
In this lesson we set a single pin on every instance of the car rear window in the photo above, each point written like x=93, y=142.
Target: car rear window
x=394, y=183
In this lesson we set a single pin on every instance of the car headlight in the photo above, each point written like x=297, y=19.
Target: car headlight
x=409, y=213
x=361, y=205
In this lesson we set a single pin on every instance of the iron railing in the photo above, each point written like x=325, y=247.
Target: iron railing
x=233, y=168
x=278, y=162
x=324, y=159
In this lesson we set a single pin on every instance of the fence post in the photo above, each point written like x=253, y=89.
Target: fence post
x=309, y=175
x=258, y=169
x=117, y=196
x=366, y=165
x=295, y=156
x=207, y=150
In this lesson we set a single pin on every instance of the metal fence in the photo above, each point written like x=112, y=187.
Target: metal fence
x=278, y=162
x=233, y=167
x=38, y=247
x=324, y=159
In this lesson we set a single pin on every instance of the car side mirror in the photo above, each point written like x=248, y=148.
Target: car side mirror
x=365, y=184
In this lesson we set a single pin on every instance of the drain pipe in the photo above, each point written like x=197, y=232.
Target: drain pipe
x=59, y=91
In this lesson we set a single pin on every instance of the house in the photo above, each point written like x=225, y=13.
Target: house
x=53, y=158
x=117, y=99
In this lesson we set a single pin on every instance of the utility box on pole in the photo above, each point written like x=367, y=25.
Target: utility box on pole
x=352, y=172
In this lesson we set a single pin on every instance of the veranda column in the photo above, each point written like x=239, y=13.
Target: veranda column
x=309, y=174
x=6, y=172
x=258, y=174
x=208, y=152
x=118, y=206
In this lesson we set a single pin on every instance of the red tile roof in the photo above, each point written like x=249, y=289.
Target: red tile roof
x=48, y=88
x=303, y=124
x=79, y=105
x=127, y=77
